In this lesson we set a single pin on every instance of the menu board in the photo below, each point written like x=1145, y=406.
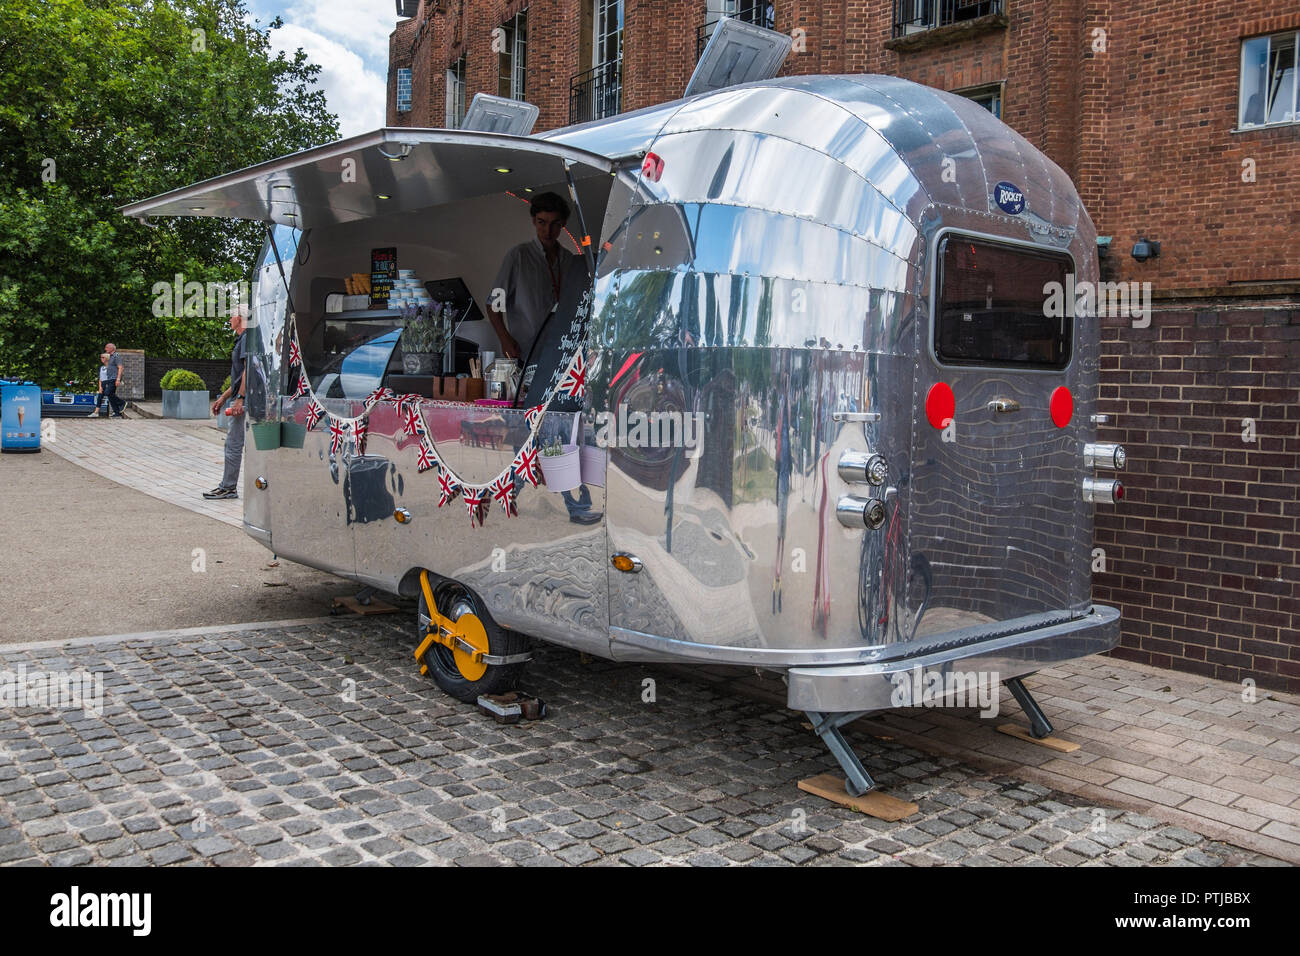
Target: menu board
x=383, y=270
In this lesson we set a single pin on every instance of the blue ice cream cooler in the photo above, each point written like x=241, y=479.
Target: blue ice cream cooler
x=20, y=416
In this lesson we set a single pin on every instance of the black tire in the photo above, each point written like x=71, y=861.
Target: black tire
x=453, y=600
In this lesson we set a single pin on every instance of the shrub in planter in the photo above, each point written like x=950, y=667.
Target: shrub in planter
x=184, y=395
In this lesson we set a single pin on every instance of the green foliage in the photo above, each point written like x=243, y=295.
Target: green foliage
x=225, y=386
x=126, y=102
x=183, y=380
x=165, y=382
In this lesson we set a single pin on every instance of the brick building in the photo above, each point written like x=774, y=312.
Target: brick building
x=1179, y=122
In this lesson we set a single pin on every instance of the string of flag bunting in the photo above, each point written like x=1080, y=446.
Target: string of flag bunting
x=477, y=498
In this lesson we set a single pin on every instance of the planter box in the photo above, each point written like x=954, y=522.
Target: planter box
x=292, y=435
x=594, y=460
x=266, y=435
x=562, y=472
x=186, y=404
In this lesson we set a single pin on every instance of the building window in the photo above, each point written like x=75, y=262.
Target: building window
x=403, y=89
x=1268, y=81
x=512, y=57
x=608, y=47
x=456, y=94
x=914, y=16
x=989, y=97
x=598, y=92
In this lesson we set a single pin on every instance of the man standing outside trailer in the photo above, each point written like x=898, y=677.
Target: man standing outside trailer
x=532, y=276
x=113, y=381
x=234, y=455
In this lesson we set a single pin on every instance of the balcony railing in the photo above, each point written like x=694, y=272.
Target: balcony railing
x=750, y=11
x=914, y=16
x=596, y=93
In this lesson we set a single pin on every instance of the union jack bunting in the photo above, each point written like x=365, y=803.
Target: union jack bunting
x=359, y=435
x=503, y=490
x=533, y=414
x=448, y=485
x=427, y=460
x=314, y=414
x=295, y=356
x=378, y=395
x=411, y=423
x=525, y=464
x=575, y=376
x=476, y=502
x=303, y=385
x=338, y=429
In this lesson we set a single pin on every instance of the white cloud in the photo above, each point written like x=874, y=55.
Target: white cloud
x=348, y=39
x=354, y=91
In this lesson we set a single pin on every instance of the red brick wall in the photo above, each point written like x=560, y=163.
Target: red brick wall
x=1203, y=557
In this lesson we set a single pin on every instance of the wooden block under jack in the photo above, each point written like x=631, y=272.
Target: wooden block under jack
x=1051, y=743
x=356, y=607
x=873, y=803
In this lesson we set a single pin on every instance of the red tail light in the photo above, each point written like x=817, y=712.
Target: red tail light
x=940, y=405
x=1061, y=407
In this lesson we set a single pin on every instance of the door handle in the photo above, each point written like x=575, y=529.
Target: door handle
x=1004, y=405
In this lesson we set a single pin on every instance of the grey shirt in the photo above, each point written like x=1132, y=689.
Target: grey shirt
x=529, y=286
x=113, y=366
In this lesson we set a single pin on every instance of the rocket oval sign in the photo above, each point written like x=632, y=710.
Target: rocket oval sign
x=1009, y=197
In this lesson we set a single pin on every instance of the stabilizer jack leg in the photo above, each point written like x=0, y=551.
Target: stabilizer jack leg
x=1039, y=725
x=827, y=727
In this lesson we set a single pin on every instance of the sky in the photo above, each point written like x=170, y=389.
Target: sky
x=348, y=39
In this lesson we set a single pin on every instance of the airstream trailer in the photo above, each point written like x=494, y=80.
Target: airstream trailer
x=828, y=425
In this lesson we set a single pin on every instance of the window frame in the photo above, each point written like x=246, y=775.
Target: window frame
x=997, y=91
x=936, y=289
x=456, y=93
x=1243, y=102
x=512, y=61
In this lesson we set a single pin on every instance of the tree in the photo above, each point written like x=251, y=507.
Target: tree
x=103, y=102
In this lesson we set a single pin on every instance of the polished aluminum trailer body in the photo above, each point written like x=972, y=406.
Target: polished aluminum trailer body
x=772, y=283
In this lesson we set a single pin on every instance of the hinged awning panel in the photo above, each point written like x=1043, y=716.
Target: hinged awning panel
x=348, y=180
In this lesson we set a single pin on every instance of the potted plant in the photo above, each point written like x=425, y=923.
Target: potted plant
x=561, y=466
x=185, y=395
x=424, y=335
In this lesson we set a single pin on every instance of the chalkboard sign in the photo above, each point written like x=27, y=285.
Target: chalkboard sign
x=383, y=270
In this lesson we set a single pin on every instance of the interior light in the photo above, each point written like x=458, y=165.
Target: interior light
x=503, y=169
x=381, y=196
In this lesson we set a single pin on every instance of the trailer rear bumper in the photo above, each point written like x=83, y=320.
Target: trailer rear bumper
x=876, y=686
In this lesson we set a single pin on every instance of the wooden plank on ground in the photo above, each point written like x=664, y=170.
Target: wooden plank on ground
x=874, y=803
x=1051, y=743
x=356, y=607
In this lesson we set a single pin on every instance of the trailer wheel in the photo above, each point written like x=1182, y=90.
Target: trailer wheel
x=454, y=673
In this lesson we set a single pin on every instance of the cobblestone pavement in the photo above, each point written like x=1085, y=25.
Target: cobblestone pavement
x=245, y=746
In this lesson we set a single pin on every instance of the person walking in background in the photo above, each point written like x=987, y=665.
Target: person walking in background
x=235, y=436
x=113, y=380
x=101, y=399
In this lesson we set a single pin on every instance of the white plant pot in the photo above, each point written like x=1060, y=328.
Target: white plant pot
x=562, y=472
x=593, y=465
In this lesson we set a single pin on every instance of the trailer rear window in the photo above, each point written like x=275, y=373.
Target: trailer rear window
x=991, y=306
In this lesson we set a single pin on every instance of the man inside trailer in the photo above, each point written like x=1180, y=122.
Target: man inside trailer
x=531, y=278
x=529, y=284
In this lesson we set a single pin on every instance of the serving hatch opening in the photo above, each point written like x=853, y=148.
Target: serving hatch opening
x=442, y=208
